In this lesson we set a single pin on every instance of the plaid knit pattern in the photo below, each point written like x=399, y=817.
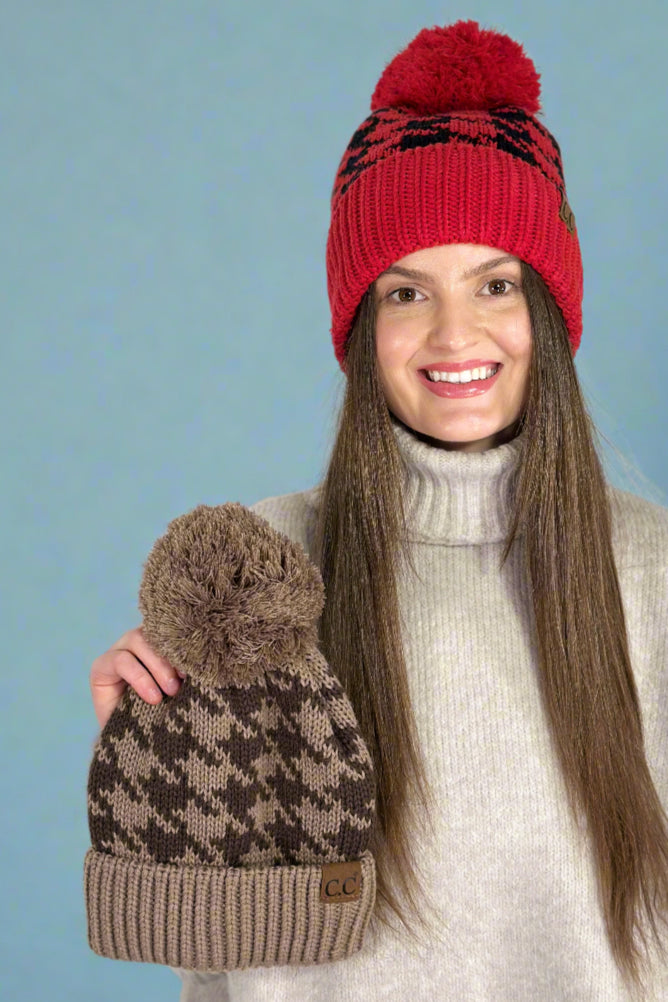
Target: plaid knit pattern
x=219, y=818
x=510, y=130
x=409, y=180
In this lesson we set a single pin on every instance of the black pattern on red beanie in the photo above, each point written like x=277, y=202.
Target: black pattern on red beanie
x=452, y=152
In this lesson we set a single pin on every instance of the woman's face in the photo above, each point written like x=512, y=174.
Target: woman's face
x=451, y=310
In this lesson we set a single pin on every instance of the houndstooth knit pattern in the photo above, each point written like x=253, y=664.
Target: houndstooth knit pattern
x=213, y=813
x=266, y=774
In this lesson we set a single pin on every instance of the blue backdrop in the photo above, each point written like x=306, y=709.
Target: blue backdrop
x=164, y=207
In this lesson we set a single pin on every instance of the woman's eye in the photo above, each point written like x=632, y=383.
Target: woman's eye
x=404, y=295
x=498, y=286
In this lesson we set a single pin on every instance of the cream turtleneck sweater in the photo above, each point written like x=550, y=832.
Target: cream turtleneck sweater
x=512, y=881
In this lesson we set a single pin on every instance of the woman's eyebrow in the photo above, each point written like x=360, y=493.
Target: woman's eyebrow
x=480, y=269
x=424, y=276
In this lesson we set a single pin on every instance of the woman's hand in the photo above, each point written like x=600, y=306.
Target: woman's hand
x=130, y=661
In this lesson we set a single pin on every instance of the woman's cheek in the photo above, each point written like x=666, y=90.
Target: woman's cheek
x=515, y=338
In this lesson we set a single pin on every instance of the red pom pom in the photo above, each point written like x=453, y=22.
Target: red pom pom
x=459, y=68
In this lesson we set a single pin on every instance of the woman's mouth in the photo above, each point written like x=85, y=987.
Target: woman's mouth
x=462, y=383
x=465, y=376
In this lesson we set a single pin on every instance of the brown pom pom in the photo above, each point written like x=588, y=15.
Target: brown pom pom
x=225, y=596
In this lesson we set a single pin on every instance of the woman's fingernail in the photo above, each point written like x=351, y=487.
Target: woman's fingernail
x=180, y=673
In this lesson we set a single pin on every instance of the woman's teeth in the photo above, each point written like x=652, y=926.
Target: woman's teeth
x=463, y=377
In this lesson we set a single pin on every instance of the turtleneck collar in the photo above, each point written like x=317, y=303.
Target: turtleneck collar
x=456, y=497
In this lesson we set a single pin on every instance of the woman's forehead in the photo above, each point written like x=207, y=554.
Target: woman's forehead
x=466, y=260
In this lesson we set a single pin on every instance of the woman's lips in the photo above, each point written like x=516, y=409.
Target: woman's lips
x=473, y=389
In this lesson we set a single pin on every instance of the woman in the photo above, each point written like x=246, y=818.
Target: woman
x=496, y=612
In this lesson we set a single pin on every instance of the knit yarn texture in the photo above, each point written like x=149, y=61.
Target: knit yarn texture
x=512, y=880
x=452, y=152
x=219, y=817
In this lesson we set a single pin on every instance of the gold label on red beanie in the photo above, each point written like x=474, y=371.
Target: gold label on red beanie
x=341, y=882
x=566, y=213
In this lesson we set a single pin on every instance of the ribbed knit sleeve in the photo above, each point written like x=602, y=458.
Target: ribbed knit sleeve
x=640, y=540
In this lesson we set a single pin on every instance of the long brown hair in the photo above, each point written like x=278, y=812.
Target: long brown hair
x=562, y=522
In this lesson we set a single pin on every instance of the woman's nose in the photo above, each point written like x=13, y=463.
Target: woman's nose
x=453, y=326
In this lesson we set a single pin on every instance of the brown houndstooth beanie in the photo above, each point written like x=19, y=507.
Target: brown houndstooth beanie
x=230, y=824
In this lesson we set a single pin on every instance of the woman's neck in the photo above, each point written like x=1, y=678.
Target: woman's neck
x=481, y=445
x=457, y=497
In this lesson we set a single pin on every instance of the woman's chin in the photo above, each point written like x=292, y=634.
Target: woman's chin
x=469, y=440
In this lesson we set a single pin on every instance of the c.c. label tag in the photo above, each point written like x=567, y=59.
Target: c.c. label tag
x=341, y=882
x=566, y=214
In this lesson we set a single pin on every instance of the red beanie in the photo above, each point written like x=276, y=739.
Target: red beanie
x=452, y=153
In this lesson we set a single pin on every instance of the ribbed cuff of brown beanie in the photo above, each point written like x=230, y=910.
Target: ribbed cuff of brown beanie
x=213, y=919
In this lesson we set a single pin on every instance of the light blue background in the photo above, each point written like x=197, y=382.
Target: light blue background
x=166, y=170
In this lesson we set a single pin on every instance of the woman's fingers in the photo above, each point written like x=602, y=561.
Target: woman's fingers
x=166, y=676
x=130, y=661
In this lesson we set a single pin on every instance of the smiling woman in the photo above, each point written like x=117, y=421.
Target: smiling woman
x=454, y=350
x=495, y=612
